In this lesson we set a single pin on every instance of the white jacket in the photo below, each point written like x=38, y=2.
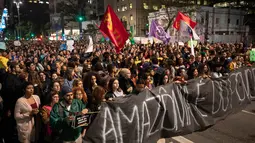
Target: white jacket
x=25, y=122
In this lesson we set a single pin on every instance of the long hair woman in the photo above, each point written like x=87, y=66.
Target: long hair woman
x=34, y=78
x=114, y=89
x=97, y=97
x=45, y=113
x=26, y=108
x=80, y=94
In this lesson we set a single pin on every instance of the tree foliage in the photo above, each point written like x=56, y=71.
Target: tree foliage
x=26, y=28
x=91, y=30
x=185, y=6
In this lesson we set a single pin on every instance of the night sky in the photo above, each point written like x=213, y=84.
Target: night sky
x=34, y=12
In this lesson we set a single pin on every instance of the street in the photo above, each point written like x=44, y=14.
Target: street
x=237, y=128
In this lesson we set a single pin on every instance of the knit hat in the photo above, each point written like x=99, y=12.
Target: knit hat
x=65, y=90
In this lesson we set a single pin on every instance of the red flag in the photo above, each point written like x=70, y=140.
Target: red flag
x=180, y=16
x=114, y=29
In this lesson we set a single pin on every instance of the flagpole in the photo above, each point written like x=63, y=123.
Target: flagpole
x=192, y=46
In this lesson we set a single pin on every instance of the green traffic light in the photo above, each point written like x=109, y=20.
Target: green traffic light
x=80, y=18
x=147, y=24
x=32, y=35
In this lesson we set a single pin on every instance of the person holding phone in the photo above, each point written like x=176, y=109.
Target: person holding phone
x=26, y=108
x=63, y=114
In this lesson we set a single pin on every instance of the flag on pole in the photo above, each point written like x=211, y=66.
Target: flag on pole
x=157, y=31
x=90, y=46
x=131, y=37
x=181, y=17
x=186, y=30
x=114, y=29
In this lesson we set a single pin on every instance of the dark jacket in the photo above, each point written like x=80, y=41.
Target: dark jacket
x=125, y=84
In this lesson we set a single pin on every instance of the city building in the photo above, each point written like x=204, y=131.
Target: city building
x=213, y=24
x=134, y=13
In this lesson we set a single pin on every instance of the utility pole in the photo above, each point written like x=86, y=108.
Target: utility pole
x=18, y=3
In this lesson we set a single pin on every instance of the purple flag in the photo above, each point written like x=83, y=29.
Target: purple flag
x=158, y=31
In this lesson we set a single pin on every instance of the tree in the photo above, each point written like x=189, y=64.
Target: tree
x=45, y=29
x=186, y=6
x=91, y=30
x=25, y=28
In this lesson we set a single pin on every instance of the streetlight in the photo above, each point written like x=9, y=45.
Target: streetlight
x=18, y=3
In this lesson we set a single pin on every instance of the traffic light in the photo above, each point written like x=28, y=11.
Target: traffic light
x=32, y=34
x=80, y=18
x=147, y=25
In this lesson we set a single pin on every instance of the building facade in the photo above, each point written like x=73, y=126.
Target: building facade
x=134, y=13
x=213, y=24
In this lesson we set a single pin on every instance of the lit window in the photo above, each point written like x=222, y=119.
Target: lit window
x=131, y=17
x=123, y=8
x=130, y=5
x=155, y=7
x=163, y=6
x=122, y=0
x=145, y=6
x=118, y=9
x=198, y=2
x=205, y=2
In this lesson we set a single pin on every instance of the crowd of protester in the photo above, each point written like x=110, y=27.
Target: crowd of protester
x=44, y=88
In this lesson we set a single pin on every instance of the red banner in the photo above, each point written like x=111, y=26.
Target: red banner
x=114, y=29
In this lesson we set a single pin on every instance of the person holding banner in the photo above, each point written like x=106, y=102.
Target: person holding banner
x=63, y=114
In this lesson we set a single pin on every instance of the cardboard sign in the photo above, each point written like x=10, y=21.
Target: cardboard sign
x=252, y=56
x=180, y=43
x=83, y=120
x=2, y=46
x=69, y=44
x=62, y=47
x=17, y=43
x=194, y=43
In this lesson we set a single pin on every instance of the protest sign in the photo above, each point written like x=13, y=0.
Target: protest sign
x=252, y=56
x=69, y=44
x=2, y=46
x=194, y=43
x=17, y=43
x=83, y=120
x=63, y=47
x=173, y=109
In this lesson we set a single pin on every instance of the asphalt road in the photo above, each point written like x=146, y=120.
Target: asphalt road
x=237, y=128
